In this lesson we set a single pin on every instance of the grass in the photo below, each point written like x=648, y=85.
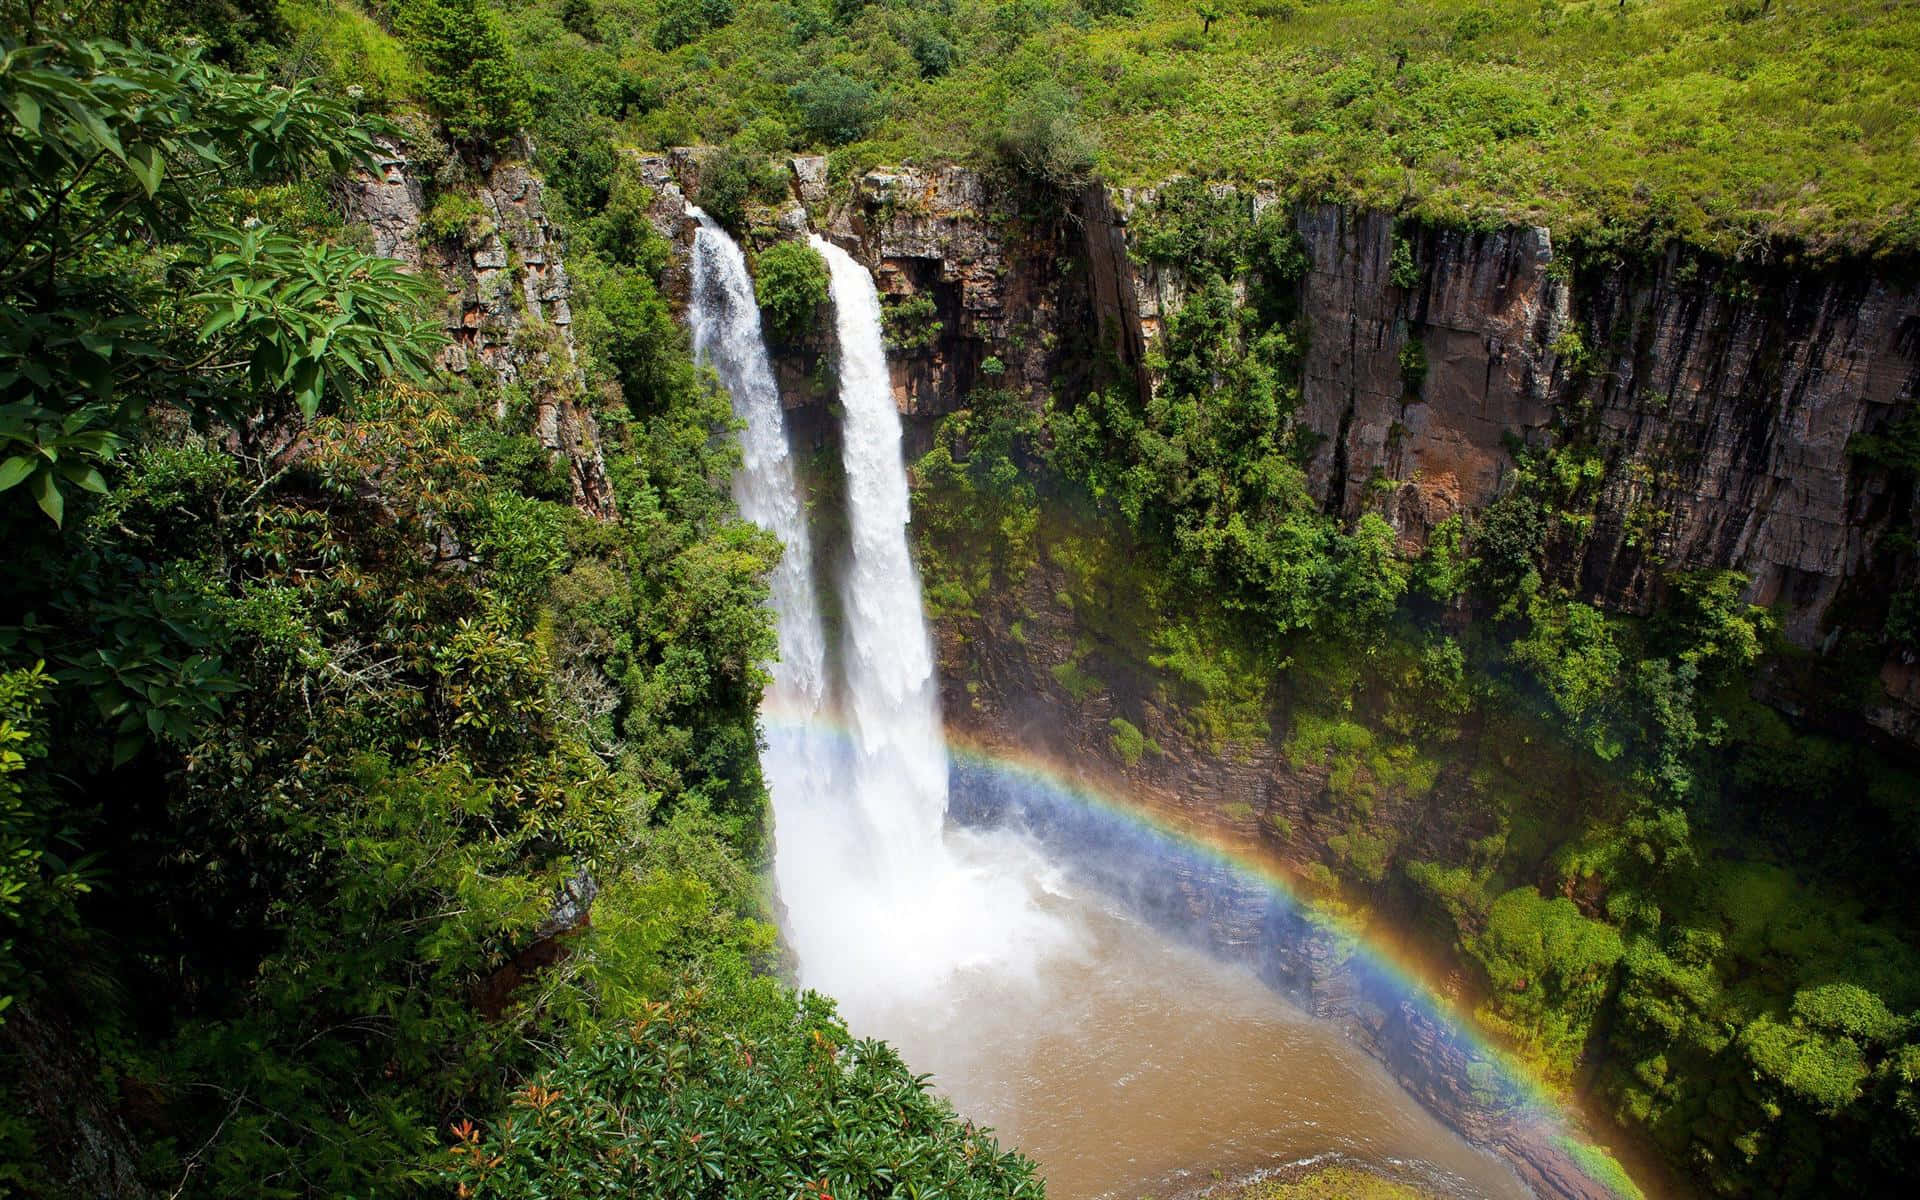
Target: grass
x=1724, y=122
x=1721, y=122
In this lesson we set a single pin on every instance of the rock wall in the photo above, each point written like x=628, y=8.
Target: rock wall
x=507, y=314
x=1721, y=400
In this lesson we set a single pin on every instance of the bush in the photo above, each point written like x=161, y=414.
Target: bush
x=729, y=181
x=775, y=1100
x=456, y=218
x=790, y=282
x=910, y=323
x=1043, y=139
x=1571, y=651
x=682, y=21
x=471, y=80
x=1550, y=968
x=1128, y=742
x=835, y=109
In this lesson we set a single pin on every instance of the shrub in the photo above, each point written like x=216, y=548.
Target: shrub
x=1571, y=651
x=835, y=109
x=579, y=17
x=1550, y=968
x=933, y=54
x=456, y=218
x=729, y=181
x=760, y=1103
x=1401, y=269
x=790, y=282
x=682, y=21
x=1128, y=742
x=910, y=323
x=1042, y=138
x=471, y=80
x=1077, y=680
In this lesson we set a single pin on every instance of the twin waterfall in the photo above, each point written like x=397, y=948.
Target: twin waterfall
x=1119, y=1059
x=884, y=905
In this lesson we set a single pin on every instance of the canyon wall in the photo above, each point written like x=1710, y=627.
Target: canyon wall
x=1723, y=401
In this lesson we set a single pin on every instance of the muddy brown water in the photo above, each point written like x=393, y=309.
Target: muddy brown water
x=1133, y=1066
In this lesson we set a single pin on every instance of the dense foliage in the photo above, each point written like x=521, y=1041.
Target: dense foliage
x=356, y=785
x=1646, y=875
x=790, y=283
x=694, y=1106
x=1605, y=119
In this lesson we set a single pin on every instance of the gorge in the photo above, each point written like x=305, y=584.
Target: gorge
x=1117, y=1060
x=829, y=599
x=1007, y=690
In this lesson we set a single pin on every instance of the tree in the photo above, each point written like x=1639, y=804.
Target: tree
x=790, y=282
x=682, y=21
x=472, y=82
x=1042, y=138
x=109, y=148
x=836, y=109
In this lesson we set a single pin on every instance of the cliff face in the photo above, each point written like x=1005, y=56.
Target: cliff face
x=507, y=311
x=1721, y=401
x=1721, y=404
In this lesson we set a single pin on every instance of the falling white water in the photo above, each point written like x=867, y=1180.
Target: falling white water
x=885, y=904
x=726, y=334
x=900, y=773
x=799, y=768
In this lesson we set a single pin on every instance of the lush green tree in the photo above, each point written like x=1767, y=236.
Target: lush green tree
x=835, y=109
x=1550, y=968
x=472, y=82
x=790, y=283
x=682, y=21
x=1043, y=138
x=686, y=1103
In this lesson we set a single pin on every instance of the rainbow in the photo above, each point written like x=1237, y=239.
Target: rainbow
x=1062, y=807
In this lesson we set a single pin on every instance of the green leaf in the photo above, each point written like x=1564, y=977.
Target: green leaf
x=84, y=476
x=125, y=747
x=14, y=470
x=147, y=167
x=26, y=110
x=46, y=493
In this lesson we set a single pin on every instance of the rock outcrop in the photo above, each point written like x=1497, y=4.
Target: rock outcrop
x=507, y=311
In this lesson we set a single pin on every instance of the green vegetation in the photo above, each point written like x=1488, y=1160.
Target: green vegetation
x=1614, y=123
x=1549, y=969
x=1128, y=742
x=773, y=1108
x=471, y=81
x=975, y=512
x=326, y=717
x=910, y=324
x=790, y=282
x=1648, y=878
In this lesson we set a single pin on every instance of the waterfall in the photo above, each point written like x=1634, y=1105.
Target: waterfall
x=912, y=904
x=882, y=904
x=800, y=769
x=899, y=776
x=726, y=335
